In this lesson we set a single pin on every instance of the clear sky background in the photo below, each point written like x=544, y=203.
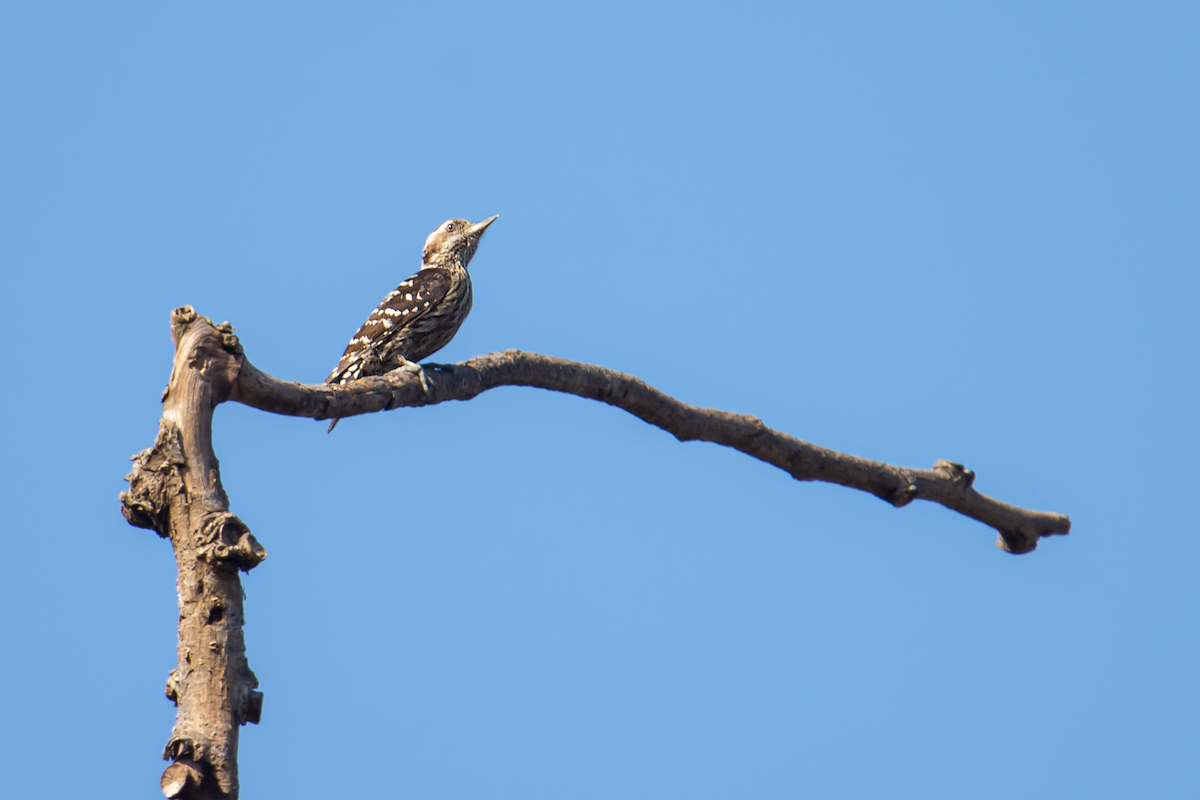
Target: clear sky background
x=906, y=231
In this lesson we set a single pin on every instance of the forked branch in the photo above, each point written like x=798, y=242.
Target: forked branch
x=175, y=489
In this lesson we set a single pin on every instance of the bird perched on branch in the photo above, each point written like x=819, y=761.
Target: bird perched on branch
x=422, y=314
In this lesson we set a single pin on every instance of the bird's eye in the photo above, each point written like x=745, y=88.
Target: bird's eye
x=449, y=227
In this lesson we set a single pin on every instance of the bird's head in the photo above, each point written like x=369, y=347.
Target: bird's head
x=453, y=240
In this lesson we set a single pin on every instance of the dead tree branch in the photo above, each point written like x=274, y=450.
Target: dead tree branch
x=175, y=489
x=947, y=483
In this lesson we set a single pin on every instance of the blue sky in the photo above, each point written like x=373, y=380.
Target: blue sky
x=909, y=232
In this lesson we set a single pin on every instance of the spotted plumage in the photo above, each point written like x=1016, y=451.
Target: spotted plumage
x=422, y=314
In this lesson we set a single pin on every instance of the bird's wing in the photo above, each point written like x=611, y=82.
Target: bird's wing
x=405, y=304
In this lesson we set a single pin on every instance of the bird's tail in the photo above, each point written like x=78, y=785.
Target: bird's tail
x=333, y=422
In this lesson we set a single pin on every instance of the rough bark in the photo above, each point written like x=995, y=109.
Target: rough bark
x=946, y=483
x=175, y=489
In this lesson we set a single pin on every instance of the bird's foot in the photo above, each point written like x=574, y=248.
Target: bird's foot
x=413, y=368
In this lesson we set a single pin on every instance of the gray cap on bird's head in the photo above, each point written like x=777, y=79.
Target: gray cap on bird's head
x=454, y=240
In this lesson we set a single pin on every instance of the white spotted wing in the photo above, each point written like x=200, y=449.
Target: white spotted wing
x=407, y=303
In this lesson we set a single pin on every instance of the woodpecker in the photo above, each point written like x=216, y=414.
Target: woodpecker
x=422, y=314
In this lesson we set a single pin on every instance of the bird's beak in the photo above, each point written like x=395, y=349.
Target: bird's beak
x=480, y=227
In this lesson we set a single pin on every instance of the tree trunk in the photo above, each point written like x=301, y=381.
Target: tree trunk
x=175, y=489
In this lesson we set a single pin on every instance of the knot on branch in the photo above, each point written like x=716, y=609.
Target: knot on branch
x=1016, y=542
x=247, y=700
x=226, y=539
x=960, y=476
x=228, y=339
x=192, y=769
x=252, y=712
x=204, y=761
x=905, y=490
x=180, y=776
x=153, y=480
x=180, y=747
x=174, y=686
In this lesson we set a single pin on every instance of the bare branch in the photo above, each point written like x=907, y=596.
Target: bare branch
x=947, y=483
